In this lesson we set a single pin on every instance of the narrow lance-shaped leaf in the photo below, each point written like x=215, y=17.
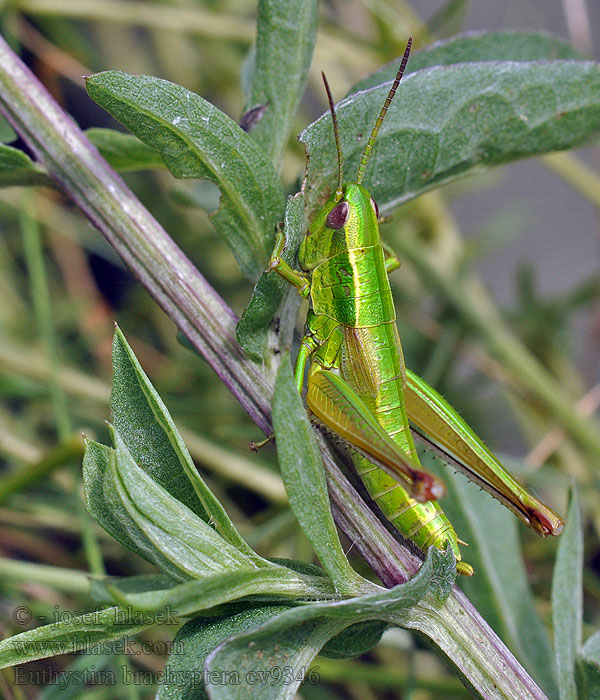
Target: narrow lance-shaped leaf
x=196, y=140
x=123, y=511
x=286, y=33
x=304, y=478
x=66, y=637
x=184, y=675
x=476, y=47
x=17, y=169
x=268, y=322
x=96, y=475
x=281, y=650
x=143, y=421
x=191, y=544
x=130, y=520
x=211, y=592
x=108, y=503
x=448, y=121
x=567, y=600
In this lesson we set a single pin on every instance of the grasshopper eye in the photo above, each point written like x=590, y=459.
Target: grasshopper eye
x=375, y=208
x=338, y=216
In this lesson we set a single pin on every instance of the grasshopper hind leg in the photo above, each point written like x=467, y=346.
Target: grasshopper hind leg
x=339, y=408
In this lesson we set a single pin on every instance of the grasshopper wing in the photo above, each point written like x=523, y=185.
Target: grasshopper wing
x=340, y=409
x=431, y=413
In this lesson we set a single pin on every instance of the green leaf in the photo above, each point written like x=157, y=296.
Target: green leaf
x=106, y=502
x=476, y=47
x=196, y=140
x=79, y=632
x=268, y=322
x=191, y=597
x=590, y=663
x=304, y=478
x=17, y=168
x=448, y=121
x=286, y=34
x=271, y=661
x=190, y=543
x=102, y=588
x=184, y=671
x=123, y=151
x=499, y=589
x=354, y=640
x=143, y=421
x=96, y=487
x=567, y=600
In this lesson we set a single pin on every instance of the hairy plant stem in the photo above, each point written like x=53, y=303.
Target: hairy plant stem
x=159, y=264
x=456, y=628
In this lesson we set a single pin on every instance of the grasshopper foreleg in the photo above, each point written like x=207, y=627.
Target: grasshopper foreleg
x=279, y=265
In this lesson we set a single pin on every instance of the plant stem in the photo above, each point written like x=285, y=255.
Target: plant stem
x=69, y=580
x=209, y=324
x=160, y=265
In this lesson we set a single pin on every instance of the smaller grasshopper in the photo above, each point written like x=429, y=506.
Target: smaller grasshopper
x=358, y=386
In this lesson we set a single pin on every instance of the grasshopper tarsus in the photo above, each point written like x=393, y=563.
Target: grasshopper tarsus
x=464, y=569
x=256, y=446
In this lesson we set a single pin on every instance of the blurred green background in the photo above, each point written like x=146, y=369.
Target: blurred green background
x=530, y=230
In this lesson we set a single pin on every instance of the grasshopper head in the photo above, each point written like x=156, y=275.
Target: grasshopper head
x=344, y=222
x=348, y=220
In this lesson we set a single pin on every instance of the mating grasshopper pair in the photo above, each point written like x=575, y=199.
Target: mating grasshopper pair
x=358, y=386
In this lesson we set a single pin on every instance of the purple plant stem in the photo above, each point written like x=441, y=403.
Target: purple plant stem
x=456, y=628
x=160, y=265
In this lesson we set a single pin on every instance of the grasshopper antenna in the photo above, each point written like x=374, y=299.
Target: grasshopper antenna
x=336, y=133
x=367, y=153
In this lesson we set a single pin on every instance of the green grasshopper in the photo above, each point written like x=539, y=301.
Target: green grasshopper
x=358, y=386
